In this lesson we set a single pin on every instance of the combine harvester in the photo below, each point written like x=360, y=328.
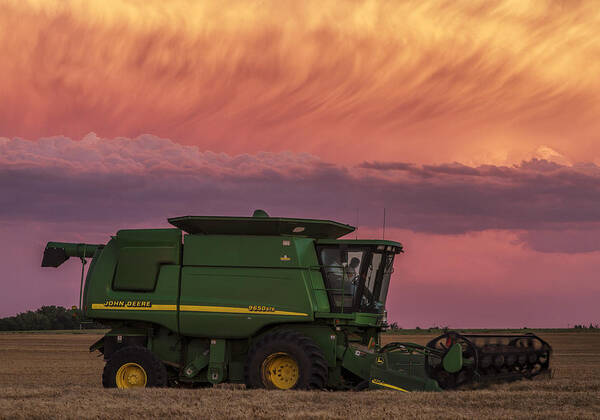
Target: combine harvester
x=269, y=302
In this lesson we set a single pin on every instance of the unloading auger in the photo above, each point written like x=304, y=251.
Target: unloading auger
x=274, y=303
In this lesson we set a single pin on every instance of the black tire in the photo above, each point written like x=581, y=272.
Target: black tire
x=312, y=366
x=155, y=370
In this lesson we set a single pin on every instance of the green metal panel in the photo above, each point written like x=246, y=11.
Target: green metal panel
x=151, y=237
x=141, y=254
x=353, y=319
x=357, y=361
x=197, y=354
x=217, y=368
x=240, y=251
x=401, y=372
x=233, y=286
x=305, y=250
x=166, y=345
x=138, y=267
x=453, y=361
x=307, y=257
x=103, y=303
x=367, y=319
x=382, y=378
x=211, y=225
x=99, y=278
x=318, y=287
x=236, y=302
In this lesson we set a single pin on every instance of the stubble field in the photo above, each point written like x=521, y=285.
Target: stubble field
x=54, y=375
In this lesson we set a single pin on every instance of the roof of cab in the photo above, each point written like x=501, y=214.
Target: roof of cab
x=398, y=247
x=261, y=224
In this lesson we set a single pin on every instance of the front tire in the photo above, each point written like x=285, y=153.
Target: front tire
x=285, y=360
x=134, y=367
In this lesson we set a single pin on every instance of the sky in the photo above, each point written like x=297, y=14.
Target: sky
x=475, y=124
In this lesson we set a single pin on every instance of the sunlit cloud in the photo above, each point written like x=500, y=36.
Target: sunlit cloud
x=419, y=81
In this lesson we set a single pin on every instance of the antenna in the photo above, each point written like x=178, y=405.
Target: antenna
x=356, y=231
x=383, y=233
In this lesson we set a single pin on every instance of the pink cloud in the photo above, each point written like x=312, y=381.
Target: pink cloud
x=59, y=179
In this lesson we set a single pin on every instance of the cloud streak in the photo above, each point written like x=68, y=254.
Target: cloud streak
x=428, y=81
x=148, y=178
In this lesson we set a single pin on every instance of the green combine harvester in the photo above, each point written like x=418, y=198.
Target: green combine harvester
x=269, y=302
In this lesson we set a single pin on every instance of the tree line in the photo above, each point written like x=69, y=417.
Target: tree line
x=47, y=318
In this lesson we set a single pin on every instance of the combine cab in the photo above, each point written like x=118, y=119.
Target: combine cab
x=270, y=302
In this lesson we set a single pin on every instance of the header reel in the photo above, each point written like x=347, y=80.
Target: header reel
x=488, y=358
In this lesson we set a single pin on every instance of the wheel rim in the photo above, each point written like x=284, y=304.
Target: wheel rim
x=280, y=370
x=131, y=375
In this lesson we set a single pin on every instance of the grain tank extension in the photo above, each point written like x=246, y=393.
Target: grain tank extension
x=271, y=303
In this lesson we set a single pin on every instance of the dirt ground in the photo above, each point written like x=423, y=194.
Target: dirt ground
x=54, y=375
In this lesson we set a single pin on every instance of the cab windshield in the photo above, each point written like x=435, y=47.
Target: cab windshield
x=356, y=277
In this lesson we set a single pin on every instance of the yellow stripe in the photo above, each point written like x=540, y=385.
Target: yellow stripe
x=136, y=308
x=194, y=308
x=234, y=310
x=381, y=383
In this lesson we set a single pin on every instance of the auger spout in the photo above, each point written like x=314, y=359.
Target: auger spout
x=57, y=253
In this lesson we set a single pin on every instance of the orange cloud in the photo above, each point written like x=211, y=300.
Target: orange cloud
x=424, y=81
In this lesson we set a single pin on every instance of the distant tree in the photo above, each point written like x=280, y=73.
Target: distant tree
x=592, y=326
x=46, y=318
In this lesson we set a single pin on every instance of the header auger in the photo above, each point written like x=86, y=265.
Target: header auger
x=272, y=303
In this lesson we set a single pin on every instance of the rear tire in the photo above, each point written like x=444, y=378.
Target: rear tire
x=285, y=360
x=134, y=367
